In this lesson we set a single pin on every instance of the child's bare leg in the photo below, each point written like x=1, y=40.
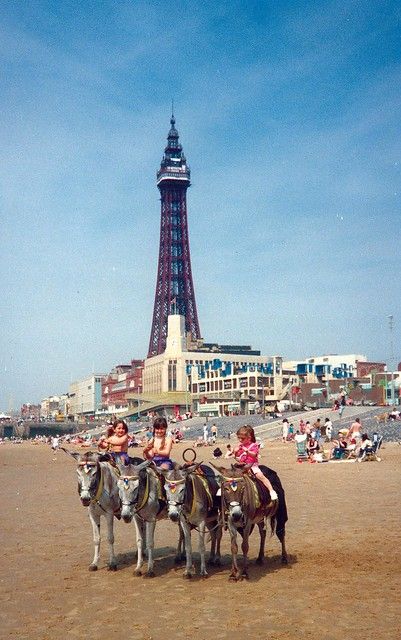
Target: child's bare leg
x=267, y=484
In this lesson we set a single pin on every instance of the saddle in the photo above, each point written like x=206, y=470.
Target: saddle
x=263, y=493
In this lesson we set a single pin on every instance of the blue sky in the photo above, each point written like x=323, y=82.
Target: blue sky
x=289, y=114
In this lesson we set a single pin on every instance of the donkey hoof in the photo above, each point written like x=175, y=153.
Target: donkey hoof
x=259, y=560
x=187, y=575
x=149, y=574
x=233, y=578
x=112, y=567
x=137, y=573
x=284, y=560
x=93, y=567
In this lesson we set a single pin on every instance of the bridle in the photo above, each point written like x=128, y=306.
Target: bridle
x=226, y=505
x=172, y=486
x=134, y=502
x=97, y=490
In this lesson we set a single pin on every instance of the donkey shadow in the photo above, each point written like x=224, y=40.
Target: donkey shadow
x=166, y=562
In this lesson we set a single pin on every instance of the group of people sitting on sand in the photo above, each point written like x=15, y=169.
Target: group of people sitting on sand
x=350, y=443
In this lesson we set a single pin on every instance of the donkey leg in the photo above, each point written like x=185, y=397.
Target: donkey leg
x=215, y=532
x=281, y=536
x=186, y=530
x=110, y=538
x=201, y=532
x=180, y=554
x=95, y=522
x=234, y=552
x=213, y=542
x=139, y=545
x=245, y=549
x=262, y=533
x=150, y=543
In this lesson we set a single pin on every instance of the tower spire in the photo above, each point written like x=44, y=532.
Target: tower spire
x=174, y=286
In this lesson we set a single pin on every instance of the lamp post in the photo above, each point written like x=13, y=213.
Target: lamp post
x=391, y=326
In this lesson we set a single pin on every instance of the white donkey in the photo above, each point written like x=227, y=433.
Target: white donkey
x=142, y=501
x=98, y=490
x=192, y=501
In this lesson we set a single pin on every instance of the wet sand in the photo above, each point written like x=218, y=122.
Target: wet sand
x=343, y=579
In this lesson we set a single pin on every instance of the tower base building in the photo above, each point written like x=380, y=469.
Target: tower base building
x=212, y=379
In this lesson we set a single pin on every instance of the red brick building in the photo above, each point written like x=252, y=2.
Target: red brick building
x=122, y=379
x=364, y=369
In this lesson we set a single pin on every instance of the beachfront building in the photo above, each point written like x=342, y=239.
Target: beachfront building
x=50, y=407
x=212, y=379
x=322, y=368
x=30, y=411
x=85, y=396
x=122, y=380
x=319, y=380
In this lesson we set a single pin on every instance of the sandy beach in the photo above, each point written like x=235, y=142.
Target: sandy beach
x=343, y=578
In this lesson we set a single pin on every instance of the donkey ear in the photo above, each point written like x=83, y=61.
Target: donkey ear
x=73, y=454
x=219, y=470
x=190, y=468
x=144, y=465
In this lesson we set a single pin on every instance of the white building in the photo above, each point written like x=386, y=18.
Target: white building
x=330, y=366
x=85, y=396
x=218, y=381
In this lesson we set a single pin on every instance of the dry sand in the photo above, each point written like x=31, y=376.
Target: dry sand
x=342, y=580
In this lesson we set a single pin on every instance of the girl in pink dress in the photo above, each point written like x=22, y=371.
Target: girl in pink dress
x=247, y=452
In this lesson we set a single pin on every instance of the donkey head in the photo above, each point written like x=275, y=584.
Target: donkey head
x=175, y=487
x=128, y=488
x=232, y=490
x=88, y=472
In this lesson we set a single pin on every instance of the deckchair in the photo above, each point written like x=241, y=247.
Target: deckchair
x=302, y=455
x=370, y=453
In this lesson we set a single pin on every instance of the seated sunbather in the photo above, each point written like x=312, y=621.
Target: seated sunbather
x=312, y=446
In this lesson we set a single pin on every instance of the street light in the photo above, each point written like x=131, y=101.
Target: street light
x=391, y=325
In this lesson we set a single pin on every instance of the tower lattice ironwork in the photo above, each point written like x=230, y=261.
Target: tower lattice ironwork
x=174, y=286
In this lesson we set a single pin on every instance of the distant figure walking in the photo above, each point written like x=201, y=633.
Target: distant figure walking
x=329, y=429
x=343, y=402
x=285, y=430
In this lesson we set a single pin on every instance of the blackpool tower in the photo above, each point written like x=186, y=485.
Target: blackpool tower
x=174, y=286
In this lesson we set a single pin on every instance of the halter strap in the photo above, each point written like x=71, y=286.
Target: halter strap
x=99, y=488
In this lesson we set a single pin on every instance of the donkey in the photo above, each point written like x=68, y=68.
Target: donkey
x=245, y=502
x=141, y=499
x=191, y=501
x=97, y=488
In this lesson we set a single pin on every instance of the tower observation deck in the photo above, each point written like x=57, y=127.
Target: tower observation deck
x=174, y=286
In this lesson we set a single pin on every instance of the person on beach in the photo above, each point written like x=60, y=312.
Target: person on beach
x=328, y=425
x=343, y=402
x=247, y=452
x=355, y=430
x=116, y=441
x=229, y=453
x=159, y=446
x=285, y=430
x=312, y=446
x=365, y=443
